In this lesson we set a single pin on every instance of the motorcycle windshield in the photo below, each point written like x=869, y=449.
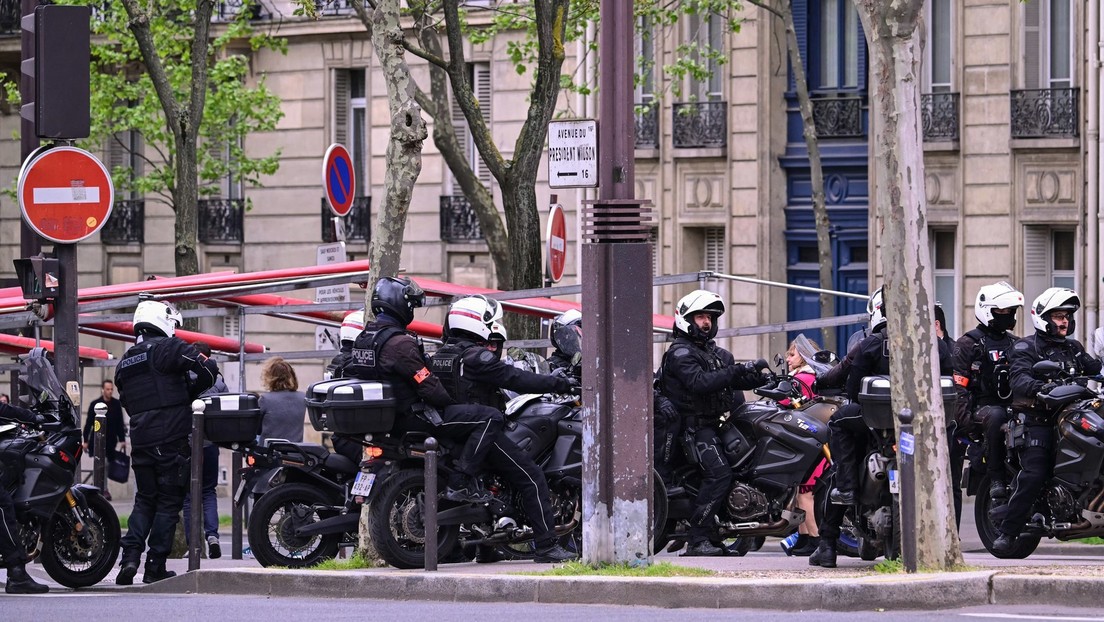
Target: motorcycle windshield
x=38, y=374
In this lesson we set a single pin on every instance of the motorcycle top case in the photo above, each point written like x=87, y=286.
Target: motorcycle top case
x=875, y=401
x=351, y=406
x=231, y=417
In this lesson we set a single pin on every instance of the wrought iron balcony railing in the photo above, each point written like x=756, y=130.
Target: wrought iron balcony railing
x=939, y=116
x=358, y=222
x=699, y=124
x=1045, y=113
x=837, y=115
x=228, y=10
x=221, y=221
x=458, y=220
x=127, y=223
x=647, y=125
x=11, y=12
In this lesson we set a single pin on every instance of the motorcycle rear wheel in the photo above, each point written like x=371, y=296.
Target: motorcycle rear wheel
x=66, y=559
x=396, y=525
x=272, y=524
x=988, y=530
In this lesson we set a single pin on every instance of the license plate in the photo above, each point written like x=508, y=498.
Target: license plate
x=894, y=482
x=363, y=484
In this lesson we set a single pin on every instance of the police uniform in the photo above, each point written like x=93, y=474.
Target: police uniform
x=703, y=382
x=982, y=378
x=1037, y=456
x=153, y=379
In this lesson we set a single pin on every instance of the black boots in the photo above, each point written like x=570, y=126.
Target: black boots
x=155, y=571
x=806, y=548
x=839, y=496
x=825, y=555
x=704, y=548
x=19, y=582
x=126, y=573
x=1003, y=544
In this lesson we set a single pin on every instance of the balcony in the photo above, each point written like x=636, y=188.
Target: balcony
x=699, y=124
x=127, y=223
x=10, y=14
x=458, y=221
x=837, y=115
x=1045, y=113
x=221, y=221
x=228, y=10
x=647, y=125
x=358, y=222
x=939, y=117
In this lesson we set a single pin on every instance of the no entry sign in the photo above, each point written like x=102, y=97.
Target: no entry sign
x=557, y=243
x=338, y=179
x=65, y=194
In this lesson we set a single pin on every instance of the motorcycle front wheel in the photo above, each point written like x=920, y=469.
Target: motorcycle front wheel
x=988, y=530
x=81, y=558
x=277, y=515
x=396, y=522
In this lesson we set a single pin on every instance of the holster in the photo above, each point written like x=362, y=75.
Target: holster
x=427, y=413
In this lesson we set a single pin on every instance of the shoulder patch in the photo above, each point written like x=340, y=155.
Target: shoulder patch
x=487, y=356
x=1021, y=345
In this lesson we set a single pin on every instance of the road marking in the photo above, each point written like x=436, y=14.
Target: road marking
x=1016, y=616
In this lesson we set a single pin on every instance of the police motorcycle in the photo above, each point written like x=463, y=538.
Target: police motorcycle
x=872, y=526
x=303, y=511
x=1071, y=505
x=71, y=527
x=773, y=449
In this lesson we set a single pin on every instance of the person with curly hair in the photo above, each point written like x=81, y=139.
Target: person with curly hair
x=284, y=405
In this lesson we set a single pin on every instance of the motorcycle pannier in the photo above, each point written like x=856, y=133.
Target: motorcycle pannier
x=231, y=418
x=351, y=406
x=875, y=401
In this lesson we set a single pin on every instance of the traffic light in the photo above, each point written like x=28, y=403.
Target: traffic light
x=60, y=69
x=38, y=277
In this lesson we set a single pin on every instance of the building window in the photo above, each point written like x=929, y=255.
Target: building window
x=838, y=65
x=1050, y=259
x=479, y=77
x=943, y=252
x=707, y=42
x=1048, y=44
x=938, y=72
x=350, y=121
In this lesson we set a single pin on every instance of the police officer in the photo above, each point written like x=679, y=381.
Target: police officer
x=351, y=327
x=470, y=368
x=982, y=376
x=153, y=378
x=848, y=429
x=703, y=382
x=564, y=344
x=1052, y=314
x=11, y=549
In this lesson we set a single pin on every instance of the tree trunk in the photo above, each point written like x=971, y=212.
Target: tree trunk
x=185, y=194
x=892, y=32
x=520, y=202
x=816, y=176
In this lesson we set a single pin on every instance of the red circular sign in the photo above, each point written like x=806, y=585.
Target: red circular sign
x=65, y=194
x=338, y=179
x=557, y=243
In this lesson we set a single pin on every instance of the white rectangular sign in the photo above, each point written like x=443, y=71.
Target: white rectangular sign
x=573, y=154
x=331, y=254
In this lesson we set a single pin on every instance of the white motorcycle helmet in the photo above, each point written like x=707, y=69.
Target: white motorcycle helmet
x=475, y=317
x=158, y=317
x=1054, y=299
x=999, y=295
x=698, y=301
x=875, y=307
x=352, y=326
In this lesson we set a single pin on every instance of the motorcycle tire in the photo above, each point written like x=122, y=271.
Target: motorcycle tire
x=396, y=526
x=988, y=530
x=277, y=514
x=66, y=559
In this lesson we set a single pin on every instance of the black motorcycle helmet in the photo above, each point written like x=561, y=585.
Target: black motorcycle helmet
x=397, y=297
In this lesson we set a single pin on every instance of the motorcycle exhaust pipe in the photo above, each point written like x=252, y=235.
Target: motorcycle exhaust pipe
x=335, y=524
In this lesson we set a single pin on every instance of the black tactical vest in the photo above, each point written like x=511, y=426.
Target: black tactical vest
x=991, y=379
x=448, y=366
x=707, y=406
x=145, y=388
x=366, y=363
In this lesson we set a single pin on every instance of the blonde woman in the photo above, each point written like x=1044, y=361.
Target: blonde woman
x=797, y=361
x=283, y=407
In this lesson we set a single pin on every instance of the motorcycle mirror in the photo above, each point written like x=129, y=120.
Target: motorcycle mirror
x=826, y=357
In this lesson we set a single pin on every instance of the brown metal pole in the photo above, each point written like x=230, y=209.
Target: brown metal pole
x=430, y=518
x=617, y=309
x=99, y=439
x=195, y=534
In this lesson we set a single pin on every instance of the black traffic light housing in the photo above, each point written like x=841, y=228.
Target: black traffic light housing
x=60, y=69
x=39, y=277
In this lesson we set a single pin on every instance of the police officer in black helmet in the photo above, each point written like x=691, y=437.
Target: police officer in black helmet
x=1052, y=315
x=158, y=392
x=470, y=367
x=703, y=382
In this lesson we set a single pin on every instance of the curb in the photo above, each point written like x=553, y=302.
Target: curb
x=1049, y=590
x=936, y=591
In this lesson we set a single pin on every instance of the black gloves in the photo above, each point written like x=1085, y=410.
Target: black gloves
x=756, y=367
x=1048, y=387
x=18, y=413
x=563, y=385
x=665, y=411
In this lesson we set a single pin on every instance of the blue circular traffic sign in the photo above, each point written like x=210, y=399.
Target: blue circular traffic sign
x=338, y=179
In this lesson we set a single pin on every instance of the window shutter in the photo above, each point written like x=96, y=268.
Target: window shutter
x=1032, y=53
x=231, y=326
x=116, y=150
x=1036, y=253
x=714, y=249
x=482, y=84
x=460, y=125
x=341, y=106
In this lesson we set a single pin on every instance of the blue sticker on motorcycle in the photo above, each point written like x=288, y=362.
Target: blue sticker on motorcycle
x=907, y=444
